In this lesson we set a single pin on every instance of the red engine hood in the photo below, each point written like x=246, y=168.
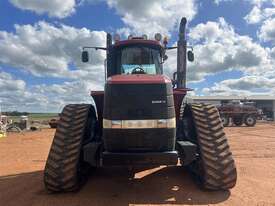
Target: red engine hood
x=139, y=79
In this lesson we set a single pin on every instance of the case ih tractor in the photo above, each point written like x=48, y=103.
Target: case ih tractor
x=239, y=113
x=141, y=119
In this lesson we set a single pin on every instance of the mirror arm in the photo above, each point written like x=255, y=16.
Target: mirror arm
x=93, y=47
x=190, y=47
x=169, y=48
x=175, y=47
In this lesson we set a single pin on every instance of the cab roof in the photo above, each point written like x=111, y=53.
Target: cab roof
x=137, y=41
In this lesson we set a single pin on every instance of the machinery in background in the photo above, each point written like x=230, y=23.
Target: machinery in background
x=53, y=123
x=239, y=113
x=3, y=125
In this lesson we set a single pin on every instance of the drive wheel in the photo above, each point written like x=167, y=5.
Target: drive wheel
x=238, y=121
x=250, y=120
x=215, y=168
x=225, y=121
x=65, y=169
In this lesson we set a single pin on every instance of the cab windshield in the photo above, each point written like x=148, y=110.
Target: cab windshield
x=139, y=60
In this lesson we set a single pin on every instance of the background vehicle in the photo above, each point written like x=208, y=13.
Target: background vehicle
x=141, y=119
x=3, y=125
x=240, y=113
x=53, y=123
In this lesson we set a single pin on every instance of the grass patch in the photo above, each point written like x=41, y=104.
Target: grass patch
x=36, y=117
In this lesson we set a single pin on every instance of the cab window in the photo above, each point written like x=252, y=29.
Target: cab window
x=133, y=60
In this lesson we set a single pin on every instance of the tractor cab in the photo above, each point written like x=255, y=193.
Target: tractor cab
x=137, y=56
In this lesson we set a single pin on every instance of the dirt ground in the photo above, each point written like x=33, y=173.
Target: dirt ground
x=22, y=159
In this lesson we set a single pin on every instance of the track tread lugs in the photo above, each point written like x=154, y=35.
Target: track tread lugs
x=218, y=166
x=60, y=174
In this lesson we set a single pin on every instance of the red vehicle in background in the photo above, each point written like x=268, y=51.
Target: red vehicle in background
x=239, y=113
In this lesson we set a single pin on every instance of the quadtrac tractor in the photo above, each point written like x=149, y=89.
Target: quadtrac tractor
x=141, y=119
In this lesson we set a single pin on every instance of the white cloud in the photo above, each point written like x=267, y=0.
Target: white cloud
x=261, y=2
x=47, y=50
x=54, y=8
x=262, y=10
x=59, y=95
x=7, y=84
x=244, y=86
x=15, y=94
x=258, y=14
x=44, y=50
x=212, y=31
x=219, y=48
x=253, y=2
x=272, y=53
x=220, y=1
x=267, y=31
x=250, y=82
x=254, y=16
x=141, y=17
x=149, y=17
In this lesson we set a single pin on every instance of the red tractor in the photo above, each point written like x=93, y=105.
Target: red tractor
x=141, y=119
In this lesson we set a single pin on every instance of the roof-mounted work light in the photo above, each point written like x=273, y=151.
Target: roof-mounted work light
x=116, y=37
x=158, y=36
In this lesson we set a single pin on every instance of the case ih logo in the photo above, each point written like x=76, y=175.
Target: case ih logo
x=158, y=101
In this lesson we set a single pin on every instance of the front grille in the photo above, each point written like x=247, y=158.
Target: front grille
x=139, y=101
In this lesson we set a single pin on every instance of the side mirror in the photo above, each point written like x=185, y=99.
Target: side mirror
x=85, y=56
x=190, y=56
x=165, y=57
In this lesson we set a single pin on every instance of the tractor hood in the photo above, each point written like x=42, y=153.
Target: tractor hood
x=137, y=101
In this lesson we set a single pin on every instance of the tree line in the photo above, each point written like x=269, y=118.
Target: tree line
x=15, y=113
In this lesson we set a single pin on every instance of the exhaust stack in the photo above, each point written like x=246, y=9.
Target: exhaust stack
x=181, y=55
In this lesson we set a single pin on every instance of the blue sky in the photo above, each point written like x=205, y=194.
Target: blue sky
x=40, y=44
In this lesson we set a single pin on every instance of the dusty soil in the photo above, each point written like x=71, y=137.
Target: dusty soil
x=22, y=159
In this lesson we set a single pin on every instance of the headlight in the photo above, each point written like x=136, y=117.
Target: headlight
x=158, y=36
x=166, y=123
x=130, y=37
x=112, y=124
x=139, y=124
x=144, y=36
x=116, y=124
x=116, y=38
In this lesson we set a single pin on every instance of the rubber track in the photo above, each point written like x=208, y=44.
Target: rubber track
x=217, y=165
x=61, y=170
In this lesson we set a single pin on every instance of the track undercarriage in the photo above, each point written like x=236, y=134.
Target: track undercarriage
x=201, y=147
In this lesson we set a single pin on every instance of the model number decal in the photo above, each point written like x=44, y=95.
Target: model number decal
x=158, y=101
